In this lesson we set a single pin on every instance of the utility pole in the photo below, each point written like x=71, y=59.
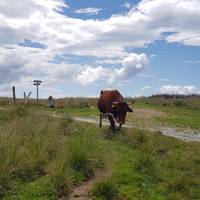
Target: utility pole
x=37, y=83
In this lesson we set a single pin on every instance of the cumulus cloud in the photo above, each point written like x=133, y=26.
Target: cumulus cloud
x=46, y=25
x=178, y=89
x=21, y=9
x=126, y=5
x=91, y=75
x=89, y=11
x=109, y=61
x=131, y=65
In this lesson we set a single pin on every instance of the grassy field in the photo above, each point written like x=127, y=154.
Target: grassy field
x=182, y=117
x=177, y=111
x=183, y=113
x=45, y=157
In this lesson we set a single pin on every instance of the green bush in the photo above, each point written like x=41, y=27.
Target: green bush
x=179, y=103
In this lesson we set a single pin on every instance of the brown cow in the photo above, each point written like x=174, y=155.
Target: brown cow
x=111, y=103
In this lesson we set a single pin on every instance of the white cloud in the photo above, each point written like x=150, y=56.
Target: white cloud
x=178, y=89
x=112, y=35
x=21, y=9
x=60, y=33
x=91, y=75
x=109, y=61
x=20, y=64
x=126, y=5
x=131, y=65
x=89, y=11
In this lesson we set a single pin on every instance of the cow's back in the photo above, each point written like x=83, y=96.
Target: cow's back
x=106, y=98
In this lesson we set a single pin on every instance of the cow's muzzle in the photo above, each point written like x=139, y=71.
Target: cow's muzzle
x=121, y=122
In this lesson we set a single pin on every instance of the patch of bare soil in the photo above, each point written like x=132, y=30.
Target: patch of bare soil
x=147, y=113
x=3, y=108
x=82, y=191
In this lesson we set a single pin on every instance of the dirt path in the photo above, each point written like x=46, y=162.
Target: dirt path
x=3, y=108
x=82, y=191
x=188, y=136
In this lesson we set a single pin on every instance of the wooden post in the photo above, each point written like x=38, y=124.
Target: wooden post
x=14, y=97
x=37, y=94
x=26, y=97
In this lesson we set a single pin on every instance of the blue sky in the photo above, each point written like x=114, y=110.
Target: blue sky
x=78, y=48
x=108, y=7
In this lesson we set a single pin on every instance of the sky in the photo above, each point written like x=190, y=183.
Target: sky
x=79, y=47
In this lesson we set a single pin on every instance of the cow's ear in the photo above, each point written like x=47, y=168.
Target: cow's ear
x=129, y=109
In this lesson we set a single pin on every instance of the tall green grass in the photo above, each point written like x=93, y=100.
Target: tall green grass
x=157, y=167
x=36, y=148
x=104, y=190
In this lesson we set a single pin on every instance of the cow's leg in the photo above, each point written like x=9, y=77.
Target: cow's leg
x=112, y=122
x=100, y=121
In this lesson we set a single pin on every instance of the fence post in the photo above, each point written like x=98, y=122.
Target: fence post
x=14, y=97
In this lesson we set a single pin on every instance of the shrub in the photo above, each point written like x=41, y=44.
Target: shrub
x=179, y=103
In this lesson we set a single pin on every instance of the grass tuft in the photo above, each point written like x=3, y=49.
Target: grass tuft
x=104, y=190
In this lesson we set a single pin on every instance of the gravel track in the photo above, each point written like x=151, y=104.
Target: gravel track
x=188, y=136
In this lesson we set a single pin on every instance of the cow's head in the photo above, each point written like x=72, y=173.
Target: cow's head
x=120, y=109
